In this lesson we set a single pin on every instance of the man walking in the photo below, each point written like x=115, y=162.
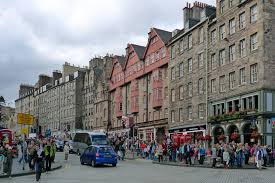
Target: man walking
x=48, y=156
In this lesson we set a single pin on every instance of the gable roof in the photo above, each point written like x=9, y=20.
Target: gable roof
x=164, y=35
x=139, y=50
x=121, y=62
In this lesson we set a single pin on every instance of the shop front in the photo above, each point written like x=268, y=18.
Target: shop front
x=193, y=132
x=150, y=134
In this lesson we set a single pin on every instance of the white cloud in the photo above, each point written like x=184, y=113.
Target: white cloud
x=39, y=36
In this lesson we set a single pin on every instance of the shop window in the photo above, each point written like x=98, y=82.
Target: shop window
x=230, y=106
x=237, y=105
x=250, y=103
x=244, y=104
x=256, y=103
x=223, y=108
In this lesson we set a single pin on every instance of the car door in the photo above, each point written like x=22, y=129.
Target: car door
x=93, y=153
x=84, y=155
x=90, y=154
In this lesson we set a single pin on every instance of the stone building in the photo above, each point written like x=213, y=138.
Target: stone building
x=55, y=101
x=220, y=72
x=138, y=85
x=241, y=70
x=96, y=98
x=7, y=117
x=187, y=72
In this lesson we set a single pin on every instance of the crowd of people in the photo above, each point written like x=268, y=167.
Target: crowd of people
x=39, y=154
x=228, y=155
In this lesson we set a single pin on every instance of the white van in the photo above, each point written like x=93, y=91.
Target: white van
x=82, y=140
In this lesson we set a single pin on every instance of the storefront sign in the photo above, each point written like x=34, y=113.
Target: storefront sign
x=188, y=129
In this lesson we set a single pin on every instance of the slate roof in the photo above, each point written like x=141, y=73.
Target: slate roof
x=121, y=60
x=164, y=35
x=139, y=50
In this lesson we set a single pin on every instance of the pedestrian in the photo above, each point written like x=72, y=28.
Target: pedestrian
x=53, y=147
x=214, y=155
x=239, y=155
x=160, y=152
x=270, y=155
x=164, y=148
x=259, y=157
x=174, y=151
x=48, y=156
x=201, y=154
x=30, y=150
x=66, y=150
x=8, y=160
x=264, y=156
x=38, y=156
x=226, y=158
x=246, y=153
x=24, y=155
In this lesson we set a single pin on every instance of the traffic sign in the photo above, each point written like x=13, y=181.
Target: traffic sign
x=25, y=131
x=24, y=119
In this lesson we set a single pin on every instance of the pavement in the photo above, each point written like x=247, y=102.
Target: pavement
x=202, y=166
x=143, y=171
x=17, y=168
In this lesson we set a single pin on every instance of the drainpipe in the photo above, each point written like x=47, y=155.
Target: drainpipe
x=206, y=83
x=147, y=97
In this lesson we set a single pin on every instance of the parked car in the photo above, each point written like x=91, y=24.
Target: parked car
x=99, y=155
x=59, y=145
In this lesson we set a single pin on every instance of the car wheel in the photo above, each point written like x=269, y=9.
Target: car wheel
x=93, y=163
x=114, y=165
x=81, y=161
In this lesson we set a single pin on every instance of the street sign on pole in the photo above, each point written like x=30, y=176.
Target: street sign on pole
x=24, y=119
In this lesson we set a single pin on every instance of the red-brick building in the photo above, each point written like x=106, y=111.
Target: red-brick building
x=138, y=87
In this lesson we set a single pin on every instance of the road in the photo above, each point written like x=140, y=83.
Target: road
x=143, y=171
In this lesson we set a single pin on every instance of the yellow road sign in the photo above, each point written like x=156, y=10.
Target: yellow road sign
x=24, y=119
x=25, y=131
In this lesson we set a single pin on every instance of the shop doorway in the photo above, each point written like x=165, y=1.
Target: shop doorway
x=248, y=130
x=217, y=131
x=233, y=129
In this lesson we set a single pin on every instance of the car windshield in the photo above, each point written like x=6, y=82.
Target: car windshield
x=60, y=142
x=105, y=149
x=99, y=139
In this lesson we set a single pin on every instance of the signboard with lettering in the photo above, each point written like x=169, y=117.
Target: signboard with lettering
x=24, y=119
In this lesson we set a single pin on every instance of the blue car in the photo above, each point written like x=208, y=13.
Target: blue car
x=99, y=155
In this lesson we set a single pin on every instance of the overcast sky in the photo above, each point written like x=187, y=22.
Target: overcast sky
x=39, y=36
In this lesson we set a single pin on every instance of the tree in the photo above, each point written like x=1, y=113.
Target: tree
x=2, y=100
